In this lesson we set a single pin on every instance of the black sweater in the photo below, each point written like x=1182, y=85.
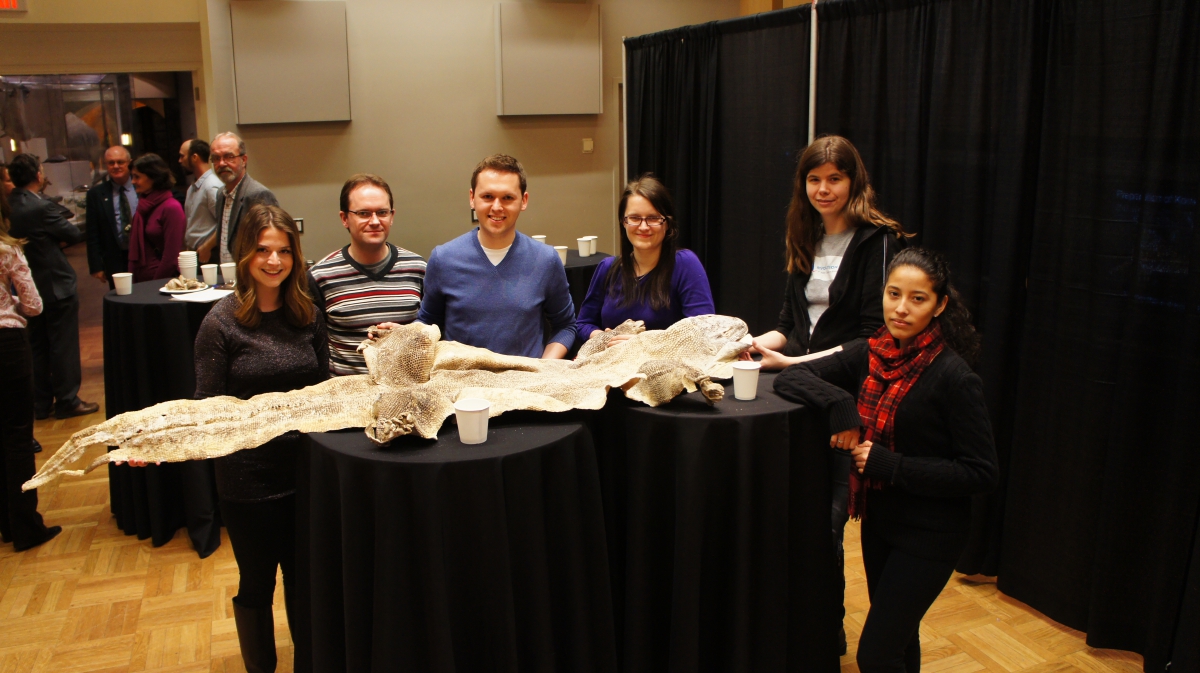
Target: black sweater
x=232, y=359
x=944, y=452
x=855, y=296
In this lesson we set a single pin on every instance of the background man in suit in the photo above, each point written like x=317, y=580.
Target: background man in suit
x=110, y=208
x=53, y=335
x=201, y=202
x=229, y=161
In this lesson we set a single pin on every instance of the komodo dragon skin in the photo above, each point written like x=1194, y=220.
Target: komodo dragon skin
x=413, y=380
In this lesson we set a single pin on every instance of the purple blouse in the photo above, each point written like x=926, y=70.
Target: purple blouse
x=690, y=295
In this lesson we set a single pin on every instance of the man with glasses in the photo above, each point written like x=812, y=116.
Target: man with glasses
x=228, y=154
x=369, y=281
x=493, y=287
x=110, y=208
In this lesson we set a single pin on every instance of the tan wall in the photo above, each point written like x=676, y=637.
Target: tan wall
x=62, y=48
x=422, y=86
x=106, y=11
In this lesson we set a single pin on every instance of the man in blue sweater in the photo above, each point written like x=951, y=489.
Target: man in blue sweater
x=492, y=286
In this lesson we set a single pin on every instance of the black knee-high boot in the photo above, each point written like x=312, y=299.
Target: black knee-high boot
x=256, y=635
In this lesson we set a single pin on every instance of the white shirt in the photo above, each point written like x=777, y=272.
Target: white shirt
x=230, y=197
x=496, y=256
x=827, y=258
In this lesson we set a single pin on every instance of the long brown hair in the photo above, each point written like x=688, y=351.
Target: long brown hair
x=622, y=279
x=804, y=226
x=297, y=302
x=5, y=215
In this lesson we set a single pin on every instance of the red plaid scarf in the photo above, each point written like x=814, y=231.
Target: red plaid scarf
x=892, y=372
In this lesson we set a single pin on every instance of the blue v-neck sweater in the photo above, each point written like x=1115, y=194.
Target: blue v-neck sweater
x=498, y=307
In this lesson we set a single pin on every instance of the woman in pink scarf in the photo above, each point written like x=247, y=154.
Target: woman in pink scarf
x=156, y=238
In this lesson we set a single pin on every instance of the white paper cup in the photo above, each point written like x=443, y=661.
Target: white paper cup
x=540, y=238
x=188, y=272
x=123, y=282
x=472, y=416
x=229, y=272
x=210, y=273
x=592, y=244
x=562, y=252
x=585, y=248
x=745, y=380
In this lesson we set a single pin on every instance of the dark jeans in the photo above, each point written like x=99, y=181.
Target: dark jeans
x=20, y=522
x=901, y=587
x=840, y=464
x=263, y=535
x=54, y=339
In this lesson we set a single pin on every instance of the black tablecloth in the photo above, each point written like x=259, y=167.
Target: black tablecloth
x=719, y=534
x=439, y=556
x=579, y=274
x=148, y=359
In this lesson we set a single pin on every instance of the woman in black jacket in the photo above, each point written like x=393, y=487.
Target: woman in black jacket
x=907, y=407
x=838, y=244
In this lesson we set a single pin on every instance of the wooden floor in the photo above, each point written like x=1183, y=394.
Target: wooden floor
x=97, y=600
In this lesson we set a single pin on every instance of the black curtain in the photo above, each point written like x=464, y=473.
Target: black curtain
x=943, y=101
x=762, y=126
x=1103, y=495
x=670, y=93
x=1048, y=147
x=719, y=112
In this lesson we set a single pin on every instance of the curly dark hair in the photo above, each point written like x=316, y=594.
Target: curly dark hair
x=955, y=320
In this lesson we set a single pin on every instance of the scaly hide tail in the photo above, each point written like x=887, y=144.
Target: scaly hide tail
x=218, y=426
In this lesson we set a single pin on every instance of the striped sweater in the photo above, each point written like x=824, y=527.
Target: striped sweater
x=354, y=299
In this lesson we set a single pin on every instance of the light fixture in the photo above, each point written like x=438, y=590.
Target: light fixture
x=13, y=143
x=126, y=139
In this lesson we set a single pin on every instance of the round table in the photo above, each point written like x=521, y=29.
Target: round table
x=719, y=534
x=148, y=358
x=439, y=556
x=579, y=274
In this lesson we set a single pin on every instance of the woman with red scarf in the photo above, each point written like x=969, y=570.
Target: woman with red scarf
x=156, y=237
x=907, y=406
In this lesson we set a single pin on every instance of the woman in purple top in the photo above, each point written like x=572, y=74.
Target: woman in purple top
x=651, y=280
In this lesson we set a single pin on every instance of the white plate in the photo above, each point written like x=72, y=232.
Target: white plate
x=164, y=290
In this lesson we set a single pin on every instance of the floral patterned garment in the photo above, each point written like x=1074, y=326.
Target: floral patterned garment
x=14, y=277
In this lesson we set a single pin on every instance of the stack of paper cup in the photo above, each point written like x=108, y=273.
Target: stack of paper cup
x=540, y=238
x=591, y=244
x=585, y=246
x=472, y=416
x=562, y=252
x=187, y=264
x=229, y=273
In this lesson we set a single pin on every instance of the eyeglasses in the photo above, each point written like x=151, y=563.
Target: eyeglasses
x=383, y=215
x=635, y=221
x=225, y=158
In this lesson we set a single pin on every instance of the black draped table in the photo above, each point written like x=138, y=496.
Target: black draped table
x=719, y=535
x=439, y=556
x=148, y=358
x=579, y=274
